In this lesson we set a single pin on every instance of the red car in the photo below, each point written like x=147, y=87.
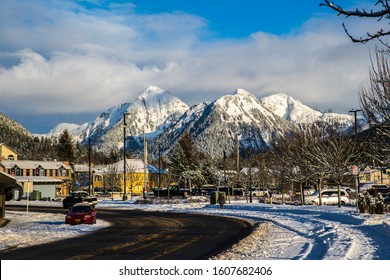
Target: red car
x=81, y=213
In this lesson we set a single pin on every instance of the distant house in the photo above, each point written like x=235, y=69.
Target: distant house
x=374, y=175
x=43, y=175
x=134, y=176
x=6, y=153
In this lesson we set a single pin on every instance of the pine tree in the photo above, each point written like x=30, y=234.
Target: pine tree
x=65, y=147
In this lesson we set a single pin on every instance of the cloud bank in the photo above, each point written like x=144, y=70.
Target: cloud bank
x=68, y=59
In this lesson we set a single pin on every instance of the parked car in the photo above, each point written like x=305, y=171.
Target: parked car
x=328, y=196
x=259, y=192
x=78, y=197
x=374, y=190
x=81, y=213
x=172, y=191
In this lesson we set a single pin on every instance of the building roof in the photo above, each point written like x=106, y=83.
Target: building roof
x=135, y=165
x=8, y=181
x=32, y=164
x=81, y=168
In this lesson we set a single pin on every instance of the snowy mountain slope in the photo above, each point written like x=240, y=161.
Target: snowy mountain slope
x=59, y=129
x=290, y=109
x=217, y=126
x=152, y=111
x=293, y=110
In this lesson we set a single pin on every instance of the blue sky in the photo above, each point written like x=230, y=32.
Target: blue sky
x=232, y=19
x=69, y=61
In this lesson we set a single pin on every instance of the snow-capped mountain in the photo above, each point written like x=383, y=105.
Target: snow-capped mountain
x=152, y=111
x=290, y=109
x=299, y=114
x=58, y=129
x=217, y=126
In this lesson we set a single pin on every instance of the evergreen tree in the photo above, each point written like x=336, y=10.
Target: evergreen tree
x=65, y=147
x=179, y=162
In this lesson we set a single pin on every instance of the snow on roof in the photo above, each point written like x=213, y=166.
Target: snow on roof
x=32, y=164
x=136, y=165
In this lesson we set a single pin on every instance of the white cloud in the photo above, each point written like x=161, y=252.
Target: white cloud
x=72, y=60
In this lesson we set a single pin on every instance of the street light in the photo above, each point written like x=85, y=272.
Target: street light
x=124, y=157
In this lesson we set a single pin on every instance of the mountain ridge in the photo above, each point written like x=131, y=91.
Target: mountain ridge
x=216, y=126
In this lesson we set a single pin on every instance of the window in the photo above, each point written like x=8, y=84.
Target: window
x=11, y=157
x=62, y=172
x=15, y=171
x=98, y=178
x=39, y=171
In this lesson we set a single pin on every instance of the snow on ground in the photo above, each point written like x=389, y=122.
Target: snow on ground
x=284, y=232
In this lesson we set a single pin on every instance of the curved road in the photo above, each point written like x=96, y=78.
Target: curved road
x=143, y=236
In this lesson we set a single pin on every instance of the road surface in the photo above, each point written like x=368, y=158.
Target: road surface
x=141, y=235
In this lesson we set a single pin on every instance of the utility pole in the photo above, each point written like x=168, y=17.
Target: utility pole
x=355, y=114
x=356, y=169
x=89, y=166
x=145, y=163
x=124, y=158
x=225, y=175
x=159, y=171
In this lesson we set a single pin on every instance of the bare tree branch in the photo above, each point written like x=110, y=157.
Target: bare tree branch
x=380, y=14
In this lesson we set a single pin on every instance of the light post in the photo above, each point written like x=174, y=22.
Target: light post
x=124, y=157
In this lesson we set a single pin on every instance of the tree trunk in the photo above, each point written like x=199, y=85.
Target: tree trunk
x=319, y=192
x=339, y=194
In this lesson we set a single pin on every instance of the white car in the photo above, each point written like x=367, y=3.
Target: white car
x=259, y=192
x=328, y=196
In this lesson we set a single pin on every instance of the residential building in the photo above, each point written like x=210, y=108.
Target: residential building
x=374, y=175
x=6, y=153
x=43, y=175
x=135, y=173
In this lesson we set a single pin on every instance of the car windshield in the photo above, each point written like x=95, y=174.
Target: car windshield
x=80, y=209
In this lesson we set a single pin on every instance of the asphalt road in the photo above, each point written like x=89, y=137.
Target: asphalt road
x=139, y=235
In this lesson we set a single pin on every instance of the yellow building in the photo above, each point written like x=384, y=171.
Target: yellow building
x=373, y=175
x=6, y=153
x=112, y=177
x=43, y=175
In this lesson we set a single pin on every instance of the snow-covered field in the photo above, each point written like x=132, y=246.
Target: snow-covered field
x=285, y=232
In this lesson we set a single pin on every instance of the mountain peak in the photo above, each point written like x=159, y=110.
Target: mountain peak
x=151, y=91
x=241, y=91
x=289, y=108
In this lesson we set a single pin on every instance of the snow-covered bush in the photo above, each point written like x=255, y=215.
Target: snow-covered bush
x=372, y=205
x=379, y=204
x=362, y=203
